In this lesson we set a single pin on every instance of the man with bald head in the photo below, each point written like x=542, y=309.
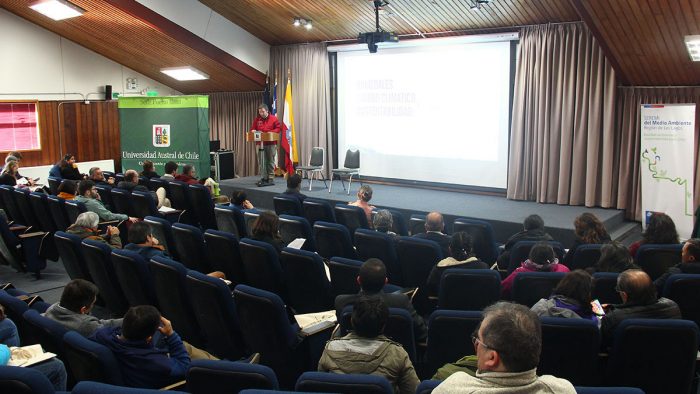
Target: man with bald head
x=434, y=225
x=639, y=301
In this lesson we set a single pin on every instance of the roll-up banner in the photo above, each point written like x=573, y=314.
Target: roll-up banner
x=667, y=163
x=163, y=129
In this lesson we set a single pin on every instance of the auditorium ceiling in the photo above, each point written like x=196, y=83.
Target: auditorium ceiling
x=642, y=38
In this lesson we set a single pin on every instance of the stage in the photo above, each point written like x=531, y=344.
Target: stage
x=506, y=216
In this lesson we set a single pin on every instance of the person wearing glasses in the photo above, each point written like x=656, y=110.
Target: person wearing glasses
x=507, y=343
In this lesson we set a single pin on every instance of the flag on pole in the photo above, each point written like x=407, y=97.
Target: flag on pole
x=289, y=141
x=266, y=92
x=273, y=106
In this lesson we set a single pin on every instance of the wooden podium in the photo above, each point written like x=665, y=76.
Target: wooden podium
x=264, y=136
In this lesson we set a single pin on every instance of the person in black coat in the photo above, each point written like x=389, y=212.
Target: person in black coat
x=533, y=230
x=294, y=187
x=434, y=225
x=69, y=170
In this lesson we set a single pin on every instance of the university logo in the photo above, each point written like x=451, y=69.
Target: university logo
x=161, y=135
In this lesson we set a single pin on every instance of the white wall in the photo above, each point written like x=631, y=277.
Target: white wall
x=35, y=60
x=214, y=28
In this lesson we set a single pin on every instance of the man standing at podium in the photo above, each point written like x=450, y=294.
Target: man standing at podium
x=265, y=122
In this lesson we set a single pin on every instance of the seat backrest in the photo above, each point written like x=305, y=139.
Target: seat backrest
x=570, y=350
x=261, y=266
x=101, y=270
x=216, y=315
x=308, y=288
x=351, y=217
x=329, y=382
x=250, y=216
x=179, y=195
x=161, y=230
x=416, y=224
x=156, y=183
x=469, y=289
x=293, y=227
x=203, y=206
x=530, y=287
x=121, y=201
x=19, y=380
x=105, y=192
x=399, y=328
x=449, y=337
x=71, y=254
x=604, y=284
x=168, y=281
x=103, y=388
x=286, y=205
x=90, y=360
x=57, y=208
x=520, y=251
x=637, y=356
x=399, y=225
x=427, y=386
x=483, y=238
x=684, y=289
x=118, y=177
x=133, y=276
x=40, y=205
x=333, y=240
x=230, y=219
x=315, y=210
x=656, y=259
x=189, y=243
x=49, y=333
x=371, y=243
x=607, y=390
x=74, y=209
x=228, y=260
x=143, y=204
x=15, y=309
x=344, y=274
x=352, y=159
x=219, y=376
x=22, y=201
x=585, y=256
x=417, y=257
x=317, y=158
x=11, y=208
x=54, y=183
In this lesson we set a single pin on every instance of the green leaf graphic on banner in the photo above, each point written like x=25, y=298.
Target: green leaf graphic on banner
x=661, y=175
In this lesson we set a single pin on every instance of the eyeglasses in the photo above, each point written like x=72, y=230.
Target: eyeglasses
x=476, y=341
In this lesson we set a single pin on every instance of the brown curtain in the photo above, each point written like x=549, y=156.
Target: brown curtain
x=310, y=74
x=629, y=101
x=563, y=140
x=230, y=116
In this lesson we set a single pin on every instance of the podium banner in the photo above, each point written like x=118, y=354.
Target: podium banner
x=667, y=163
x=163, y=129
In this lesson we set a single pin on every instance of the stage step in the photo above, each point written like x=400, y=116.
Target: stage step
x=627, y=233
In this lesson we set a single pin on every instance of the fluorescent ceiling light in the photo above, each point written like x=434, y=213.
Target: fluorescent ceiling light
x=57, y=9
x=692, y=43
x=184, y=73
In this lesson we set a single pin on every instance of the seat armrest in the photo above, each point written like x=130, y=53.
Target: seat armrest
x=32, y=235
x=174, y=386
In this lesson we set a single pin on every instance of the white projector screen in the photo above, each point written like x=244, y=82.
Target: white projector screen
x=427, y=113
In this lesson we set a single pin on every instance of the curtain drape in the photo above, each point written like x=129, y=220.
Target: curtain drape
x=563, y=141
x=230, y=116
x=310, y=75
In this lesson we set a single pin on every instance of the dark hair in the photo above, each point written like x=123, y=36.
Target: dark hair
x=589, y=229
x=461, y=246
x=139, y=232
x=68, y=156
x=638, y=286
x=147, y=165
x=267, y=224
x=365, y=193
x=62, y=163
x=660, y=230
x=372, y=276
x=67, y=186
x=293, y=181
x=576, y=285
x=239, y=197
x=614, y=257
x=369, y=316
x=140, y=322
x=694, y=248
x=514, y=332
x=170, y=167
x=187, y=168
x=17, y=155
x=542, y=254
x=77, y=294
x=84, y=186
x=533, y=222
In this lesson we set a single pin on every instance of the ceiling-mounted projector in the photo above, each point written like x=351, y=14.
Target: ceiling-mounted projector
x=374, y=37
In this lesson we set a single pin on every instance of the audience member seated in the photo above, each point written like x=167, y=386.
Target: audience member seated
x=367, y=351
x=364, y=194
x=294, y=187
x=95, y=174
x=131, y=182
x=53, y=368
x=372, y=278
x=690, y=263
x=614, y=257
x=570, y=299
x=266, y=228
x=508, y=344
x=461, y=255
x=639, y=301
x=8, y=176
x=239, y=199
x=17, y=157
x=215, y=192
x=148, y=170
x=434, y=225
x=55, y=171
x=91, y=198
x=143, y=242
x=541, y=259
x=383, y=222
x=85, y=227
x=588, y=230
x=188, y=175
x=69, y=170
x=533, y=230
x=660, y=230
x=142, y=363
x=74, y=308
x=67, y=190
x=170, y=171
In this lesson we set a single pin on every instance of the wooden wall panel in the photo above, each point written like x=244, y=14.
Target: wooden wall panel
x=89, y=131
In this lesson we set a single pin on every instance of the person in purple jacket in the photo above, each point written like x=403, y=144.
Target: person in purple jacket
x=143, y=364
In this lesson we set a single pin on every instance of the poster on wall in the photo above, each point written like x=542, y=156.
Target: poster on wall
x=163, y=129
x=667, y=163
